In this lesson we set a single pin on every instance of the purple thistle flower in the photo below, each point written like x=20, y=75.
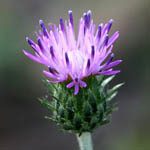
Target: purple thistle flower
x=76, y=59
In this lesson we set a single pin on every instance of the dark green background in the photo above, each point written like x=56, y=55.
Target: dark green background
x=22, y=126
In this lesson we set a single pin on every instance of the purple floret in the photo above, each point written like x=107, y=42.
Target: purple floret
x=71, y=59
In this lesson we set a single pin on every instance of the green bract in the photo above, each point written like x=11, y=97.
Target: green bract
x=84, y=112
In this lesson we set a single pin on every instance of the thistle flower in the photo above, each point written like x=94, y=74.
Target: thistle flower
x=70, y=59
x=82, y=62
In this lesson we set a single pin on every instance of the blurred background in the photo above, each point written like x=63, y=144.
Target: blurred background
x=22, y=123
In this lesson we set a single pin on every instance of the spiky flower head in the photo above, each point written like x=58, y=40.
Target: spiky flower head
x=70, y=59
x=81, y=63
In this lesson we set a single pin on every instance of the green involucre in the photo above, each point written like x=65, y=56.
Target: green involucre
x=84, y=112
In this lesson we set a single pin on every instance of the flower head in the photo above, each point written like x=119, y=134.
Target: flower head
x=71, y=59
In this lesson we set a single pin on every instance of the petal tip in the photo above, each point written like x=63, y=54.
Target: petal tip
x=89, y=12
x=69, y=11
x=27, y=38
x=111, y=20
x=24, y=51
x=41, y=22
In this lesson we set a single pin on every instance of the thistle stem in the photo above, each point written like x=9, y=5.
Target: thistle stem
x=85, y=141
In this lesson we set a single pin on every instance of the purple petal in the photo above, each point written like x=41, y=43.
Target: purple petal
x=32, y=44
x=50, y=27
x=89, y=15
x=83, y=84
x=51, y=70
x=43, y=28
x=86, y=20
x=109, y=72
x=62, y=24
x=110, y=59
x=115, y=63
x=52, y=51
x=104, y=29
x=109, y=25
x=55, y=33
x=92, y=51
x=113, y=38
x=99, y=31
x=40, y=45
x=76, y=89
x=70, y=17
x=32, y=57
x=30, y=41
x=50, y=75
x=70, y=85
x=88, y=64
x=67, y=58
x=106, y=40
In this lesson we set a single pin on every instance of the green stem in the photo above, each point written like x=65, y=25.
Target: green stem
x=85, y=141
